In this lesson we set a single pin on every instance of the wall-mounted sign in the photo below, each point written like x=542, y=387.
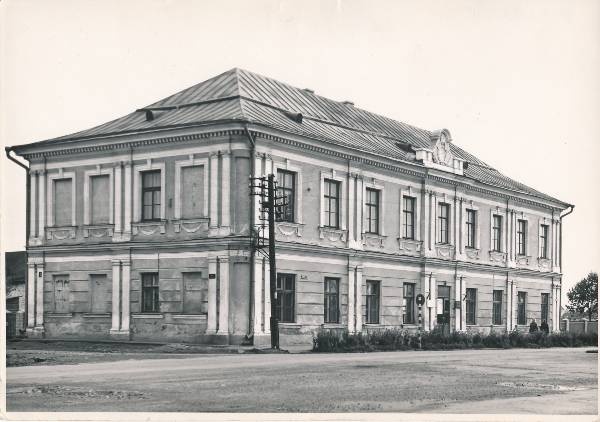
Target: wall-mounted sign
x=212, y=276
x=420, y=299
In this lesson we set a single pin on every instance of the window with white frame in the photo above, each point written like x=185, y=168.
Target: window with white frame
x=286, y=190
x=372, y=207
x=471, y=222
x=544, y=241
x=191, y=188
x=443, y=223
x=522, y=237
x=99, y=199
x=151, y=195
x=496, y=233
x=408, y=217
x=61, y=199
x=149, y=199
x=332, y=194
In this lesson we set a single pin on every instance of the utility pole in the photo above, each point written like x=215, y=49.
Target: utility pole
x=272, y=266
x=266, y=189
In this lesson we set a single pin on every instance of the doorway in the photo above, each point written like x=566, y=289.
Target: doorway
x=443, y=309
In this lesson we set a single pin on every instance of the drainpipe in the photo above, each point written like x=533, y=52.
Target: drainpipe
x=560, y=261
x=251, y=309
x=8, y=150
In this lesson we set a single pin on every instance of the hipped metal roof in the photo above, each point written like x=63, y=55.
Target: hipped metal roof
x=246, y=96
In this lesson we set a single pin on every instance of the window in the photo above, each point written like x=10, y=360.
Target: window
x=331, y=304
x=63, y=197
x=545, y=302
x=372, y=210
x=408, y=218
x=521, y=311
x=521, y=237
x=61, y=294
x=100, y=199
x=471, y=306
x=285, y=297
x=497, y=233
x=12, y=304
x=544, y=241
x=373, y=291
x=195, y=289
x=443, y=232
x=192, y=191
x=286, y=189
x=497, y=307
x=150, y=292
x=151, y=195
x=100, y=294
x=332, y=203
x=471, y=216
x=409, y=303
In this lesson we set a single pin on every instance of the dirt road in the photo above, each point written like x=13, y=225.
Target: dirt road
x=545, y=381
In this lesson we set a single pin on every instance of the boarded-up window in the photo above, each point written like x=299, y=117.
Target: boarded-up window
x=195, y=299
x=100, y=294
x=62, y=202
x=192, y=191
x=100, y=191
x=61, y=293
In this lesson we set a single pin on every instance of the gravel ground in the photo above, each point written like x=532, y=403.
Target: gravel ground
x=545, y=381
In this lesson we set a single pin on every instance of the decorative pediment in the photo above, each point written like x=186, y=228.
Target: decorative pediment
x=440, y=155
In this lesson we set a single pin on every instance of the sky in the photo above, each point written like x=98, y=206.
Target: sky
x=516, y=82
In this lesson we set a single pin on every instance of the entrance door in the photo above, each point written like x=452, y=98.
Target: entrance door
x=443, y=308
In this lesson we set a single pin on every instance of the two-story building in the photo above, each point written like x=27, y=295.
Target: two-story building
x=140, y=228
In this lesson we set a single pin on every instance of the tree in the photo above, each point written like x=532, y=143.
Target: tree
x=583, y=297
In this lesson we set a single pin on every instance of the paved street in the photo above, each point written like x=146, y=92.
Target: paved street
x=545, y=381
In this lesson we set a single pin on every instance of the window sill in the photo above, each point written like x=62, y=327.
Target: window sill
x=91, y=315
x=98, y=230
x=288, y=228
x=147, y=316
x=60, y=233
x=333, y=234
x=149, y=227
x=410, y=245
x=472, y=253
x=190, y=316
x=497, y=256
x=59, y=314
x=374, y=240
x=327, y=325
x=289, y=324
x=191, y=225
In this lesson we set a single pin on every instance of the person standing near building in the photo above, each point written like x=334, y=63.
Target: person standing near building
x=544, y=327
x=533, y=327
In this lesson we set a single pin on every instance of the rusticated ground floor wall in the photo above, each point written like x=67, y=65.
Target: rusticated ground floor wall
x=218, y=296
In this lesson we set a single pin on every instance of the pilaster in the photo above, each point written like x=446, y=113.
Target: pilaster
x=39, y=298
x=42, y=205
x=31, y=279
x=33, y=205
x=211, y=327
x=225, y=192
x=351, y=298
x=127, y=215
x=214, y=193
x=359, y=298
x=258, y=297
x=118, y=197
x=126, y=283
x=223, y=296
x=116, y=287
